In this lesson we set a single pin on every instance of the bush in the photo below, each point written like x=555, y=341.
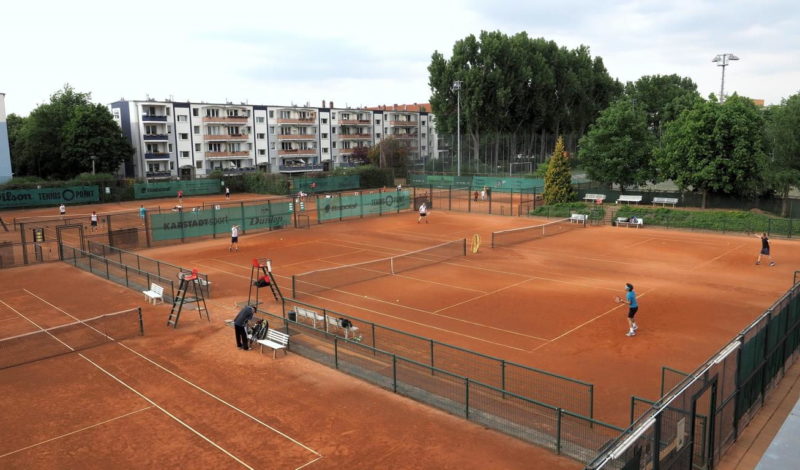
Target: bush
x=723, y=221
x=565, y=209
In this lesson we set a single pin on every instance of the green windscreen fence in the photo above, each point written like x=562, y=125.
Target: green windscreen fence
x=340, y=207
x=440, y=181
x=171, y=188
x=218, y=220
x=506, y=184
x=330, y=184
x=48, y=196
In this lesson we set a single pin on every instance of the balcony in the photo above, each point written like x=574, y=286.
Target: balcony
x=404, y=123
x=300, y=168
x=297, y=152
x=226, y=137
x=355, y=136
x=355, y=122
x=158, y=174
x=233, y=171
x=225, y=119
x=153, y=118
x=156, y=155
x=227, y=154
x=310, y=120
x=297, y=136
x=155, y=137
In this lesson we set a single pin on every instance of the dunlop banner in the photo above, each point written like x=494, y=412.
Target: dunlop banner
x=330, y=208
x=186, y=224
x=48, y=196
x=171, y=188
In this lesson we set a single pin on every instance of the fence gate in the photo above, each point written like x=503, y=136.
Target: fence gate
x=702, y=426
x=71, y=235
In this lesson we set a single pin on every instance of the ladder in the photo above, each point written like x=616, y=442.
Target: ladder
x=187, y=281
x=262, y=267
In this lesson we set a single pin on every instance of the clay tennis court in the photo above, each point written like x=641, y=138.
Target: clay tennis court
x=547, y=303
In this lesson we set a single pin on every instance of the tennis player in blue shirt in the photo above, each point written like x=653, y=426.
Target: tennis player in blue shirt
x=630, y=299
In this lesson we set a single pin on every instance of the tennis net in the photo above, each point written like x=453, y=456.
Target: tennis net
x=534, y=232
x=69, y=338
x=332, y=278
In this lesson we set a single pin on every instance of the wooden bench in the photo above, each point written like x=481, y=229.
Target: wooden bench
x=625, y=222
x=155, y=294
x=275, y=340
x=637, y=198
x=596, y=198
x=665, y=200
x=579, y=218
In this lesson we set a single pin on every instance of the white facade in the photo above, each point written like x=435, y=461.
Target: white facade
x=190, y=140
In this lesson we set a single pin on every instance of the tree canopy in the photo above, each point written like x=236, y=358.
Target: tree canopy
x=715, y=147
x=558, y=179
x=58, y=138
x=783, y=140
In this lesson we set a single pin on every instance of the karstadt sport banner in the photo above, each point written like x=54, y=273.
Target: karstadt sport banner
x=48, y=196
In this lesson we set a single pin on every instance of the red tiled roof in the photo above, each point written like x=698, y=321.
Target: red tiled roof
x=416, y=107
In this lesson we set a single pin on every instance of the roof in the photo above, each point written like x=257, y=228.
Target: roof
x=416, y=107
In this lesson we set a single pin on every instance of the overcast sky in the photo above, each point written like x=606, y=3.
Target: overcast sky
x=365, y=53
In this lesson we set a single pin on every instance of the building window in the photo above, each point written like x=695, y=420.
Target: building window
x=271, y=113
x=195, y=112
x=272, y=145
x=198, y=147
x=215, y=147
x=423, y=123
x=182, y=118
x=170, y=148
x=167, y=110
x=333, y=144
x=333, y=130
x=260, y=136
x=184, y=154
x=378, y=135
x=199, y=164
x=377, y=121
x=262, y=152
x=260, y=119
x=324, y=120
x=169, y=129
x=272, y=130
x=333, y=116
x=196, y=130
x=171, y=166
x=324, y=149
x=184, y=136
x=325, y=135
x=249, y=146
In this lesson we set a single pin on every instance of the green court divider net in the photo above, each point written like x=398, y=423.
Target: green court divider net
x=171, y=188
x=505, y=184
x=358, y=205
x=534, y=232
x=71, y=337
x=333, y=278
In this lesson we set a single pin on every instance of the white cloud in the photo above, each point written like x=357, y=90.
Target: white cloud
x=365, y=53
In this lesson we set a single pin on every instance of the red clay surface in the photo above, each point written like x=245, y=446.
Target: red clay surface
x=546, y=303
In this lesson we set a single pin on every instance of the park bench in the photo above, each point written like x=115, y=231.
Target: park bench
x=596, y=198
x=665, y=200
x=637, y=198
x=626, y=222
x=310, y=314
x=275, y=340
x=335, y=324
x=578, y=218
x=155, y=294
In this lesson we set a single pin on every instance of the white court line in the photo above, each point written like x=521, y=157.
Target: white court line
x=276, y=431
x=75, y=431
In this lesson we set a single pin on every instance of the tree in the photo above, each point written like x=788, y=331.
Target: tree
x=715, y=147
x=662, y=97
x=618, y=147
x=15, y=124
x=52, y=137
x=558, y=179
x=781, y=130
x=390, y=153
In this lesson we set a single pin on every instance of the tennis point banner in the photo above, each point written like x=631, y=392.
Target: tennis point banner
x=48, y=196
x=330, y=208
x=171, y=188
x=184, y=224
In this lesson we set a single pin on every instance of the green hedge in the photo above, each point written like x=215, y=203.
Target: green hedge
x=565, y=209
x=722, y=221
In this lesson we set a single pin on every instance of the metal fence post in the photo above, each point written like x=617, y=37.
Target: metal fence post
x=394, y=373
x=432, y=360
x=558, y=432
x=336, y=352
x=466, y=397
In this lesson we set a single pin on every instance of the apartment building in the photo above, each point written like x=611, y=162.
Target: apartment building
x=190, y=140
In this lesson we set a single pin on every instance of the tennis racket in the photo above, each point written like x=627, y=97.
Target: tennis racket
x=618, y=299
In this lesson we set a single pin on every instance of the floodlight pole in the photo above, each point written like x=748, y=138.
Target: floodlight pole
x=93, y=159
x=457, y=88
x=722, y=61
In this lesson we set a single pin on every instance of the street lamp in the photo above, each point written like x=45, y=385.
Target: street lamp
x=93, y=159
x=722, y=61
x=457, y=88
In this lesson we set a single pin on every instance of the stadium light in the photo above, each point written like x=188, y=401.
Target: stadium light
x=457, y=88
x=722, y=61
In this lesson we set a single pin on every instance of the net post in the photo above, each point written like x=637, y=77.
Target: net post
x=464, y=248
x=141, y=322
x=294, y=287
